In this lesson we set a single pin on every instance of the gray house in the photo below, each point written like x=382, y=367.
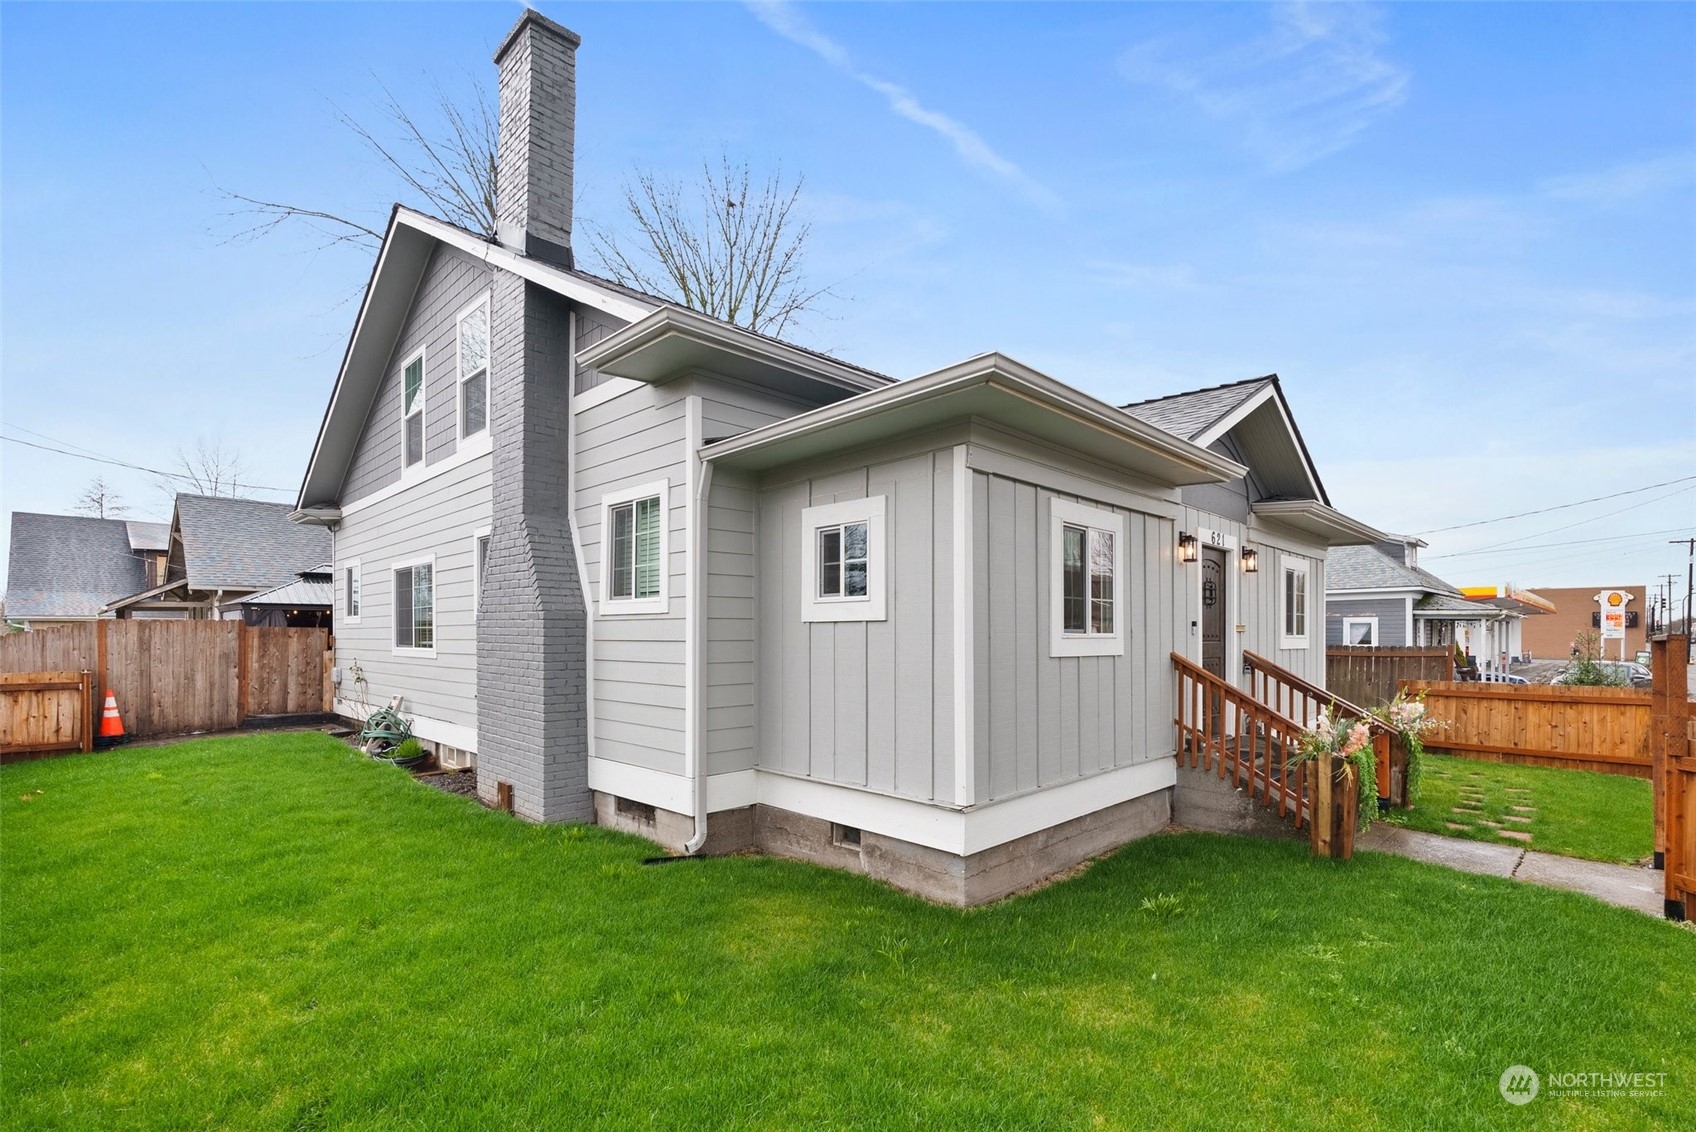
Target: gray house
x=642, y=567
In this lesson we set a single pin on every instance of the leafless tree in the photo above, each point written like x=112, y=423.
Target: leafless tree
x=208, y=468
x=100, y=500
x=449, y=168
x=726, y=245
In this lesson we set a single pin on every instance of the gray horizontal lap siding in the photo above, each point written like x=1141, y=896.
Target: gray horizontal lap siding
x=438, y=516
x=866, y=704
x=1390, y=611
x=1044, y=720
x=592, y=326
x=450, y=282
x=639, y=660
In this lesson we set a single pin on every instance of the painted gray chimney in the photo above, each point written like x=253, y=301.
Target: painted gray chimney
x=538, y=112
x=532, y=723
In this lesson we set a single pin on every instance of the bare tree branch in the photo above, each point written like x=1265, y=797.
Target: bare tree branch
x=733, y=249
x=100, y=500
x=208, y=468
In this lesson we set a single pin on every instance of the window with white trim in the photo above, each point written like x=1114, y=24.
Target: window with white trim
x=473, y=337
x=350, y=592
x=1292, y=604
x=634, y=548
x=412, y=412
x=1087, y=548
x=1360, y=631
x=844, y=574
x=415, y=606
x=479, y=566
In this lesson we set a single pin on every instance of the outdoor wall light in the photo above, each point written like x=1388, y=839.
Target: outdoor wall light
x=1251, y=560
x=1189, y=549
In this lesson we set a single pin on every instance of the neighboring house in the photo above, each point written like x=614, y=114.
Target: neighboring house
x=1380, y=596
x=65, y=568
x=304, y=602
x=652, y=570
x=220, y=550
x=1577, y=611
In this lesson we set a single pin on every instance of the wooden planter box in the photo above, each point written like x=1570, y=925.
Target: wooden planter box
x=1333, y=798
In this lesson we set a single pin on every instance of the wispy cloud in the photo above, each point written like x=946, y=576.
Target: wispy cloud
x=1302, y=91
x=1624, y=182
x=786, y=20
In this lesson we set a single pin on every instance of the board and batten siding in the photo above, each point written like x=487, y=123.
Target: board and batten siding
x=1254, y=601
x=437, y=516
x=1044, y=720
x=863, y=703
x=1391, y=611
x=452, y=280
x=640, y=659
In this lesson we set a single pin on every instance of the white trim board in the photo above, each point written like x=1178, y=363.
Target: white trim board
x=936, y=825
x=463, y=454
x=436, y=730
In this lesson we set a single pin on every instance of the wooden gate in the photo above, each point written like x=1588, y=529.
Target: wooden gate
x=44, y=712
x=1674, y=775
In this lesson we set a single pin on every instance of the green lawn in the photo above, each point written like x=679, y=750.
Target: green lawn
x=1603, y=817
x=273, y=932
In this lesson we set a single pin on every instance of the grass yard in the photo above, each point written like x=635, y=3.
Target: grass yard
x=272, y=932
x=1602, y=817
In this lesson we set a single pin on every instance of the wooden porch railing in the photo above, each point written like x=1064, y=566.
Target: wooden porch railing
x=1300, y=701
x=1225, y=729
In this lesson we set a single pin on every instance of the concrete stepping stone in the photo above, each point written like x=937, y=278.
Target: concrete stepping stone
x=1491, y=824
x=1514, y=835
x=1465, y=810
x=1521, y=818
x=1523, y=809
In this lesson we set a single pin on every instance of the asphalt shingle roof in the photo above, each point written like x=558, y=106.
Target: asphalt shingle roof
x=148, y=536
x=1449, y=603
x=1188, y=415
x=69, y=566
x=245, y=543
x=1369, y=568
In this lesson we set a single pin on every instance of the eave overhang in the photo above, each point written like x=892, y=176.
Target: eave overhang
x=992, y=388
x=673, y=341
x=1313, y=518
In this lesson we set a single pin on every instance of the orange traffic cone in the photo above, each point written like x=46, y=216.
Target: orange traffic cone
x=111, y=723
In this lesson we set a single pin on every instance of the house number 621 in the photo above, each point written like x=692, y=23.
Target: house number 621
x=1215, y=538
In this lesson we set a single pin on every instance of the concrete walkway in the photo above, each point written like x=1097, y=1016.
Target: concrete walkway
x=1625, y=885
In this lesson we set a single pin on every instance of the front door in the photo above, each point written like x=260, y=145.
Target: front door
x=1213, y=611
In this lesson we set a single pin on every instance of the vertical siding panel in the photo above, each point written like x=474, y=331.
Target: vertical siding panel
x=999, y=547
x=1025, y=658
x=821, y=716
x=980, y=638
x=794, y=659
x=913, y=573
x=1050, y=763
x=851, y=702
x=1130, y=717
x=1070, y=767
x=940, y=757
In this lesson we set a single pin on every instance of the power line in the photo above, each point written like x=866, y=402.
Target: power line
x=1514, y=542
x=133, y=467
x=1503, y=548
x=1557, y=507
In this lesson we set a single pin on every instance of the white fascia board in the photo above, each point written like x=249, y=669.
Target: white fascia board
x=542, y=274
x=991, y=371
x=1345, y=595
x=1318, y=519
x=718, y=336
x=1233, y=418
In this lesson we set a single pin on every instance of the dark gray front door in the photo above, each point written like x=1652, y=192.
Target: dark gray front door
x=1213, y=611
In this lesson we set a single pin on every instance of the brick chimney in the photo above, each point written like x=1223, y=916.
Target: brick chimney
x=538, y=111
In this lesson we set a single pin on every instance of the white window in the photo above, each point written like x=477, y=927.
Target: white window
x=412, y=412
x=1361, y=631
x=350, y=592
x=1086, y=562
x=473, y=336
x=1292, y=603
x=415, y=606
x=634, y=550
x=844, y=574
x=479, y=566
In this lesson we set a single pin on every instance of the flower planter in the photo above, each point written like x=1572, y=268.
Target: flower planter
x=1333, y=806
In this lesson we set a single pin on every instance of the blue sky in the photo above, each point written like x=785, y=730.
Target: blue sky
x=1463, y=234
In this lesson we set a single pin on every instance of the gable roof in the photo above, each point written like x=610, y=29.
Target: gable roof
x=148, y=536
x=1369, y=568
x=238, y=544
x=1262, y=432
x=68, y=566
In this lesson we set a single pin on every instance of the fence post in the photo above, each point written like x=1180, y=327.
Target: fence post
x=100, y=629
x=1660, y=740
x=242, y=673
x=88, y=707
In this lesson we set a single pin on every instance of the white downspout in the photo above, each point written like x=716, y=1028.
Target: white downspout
x=700, y=483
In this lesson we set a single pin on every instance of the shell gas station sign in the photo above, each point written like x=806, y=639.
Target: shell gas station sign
x=1612, y=603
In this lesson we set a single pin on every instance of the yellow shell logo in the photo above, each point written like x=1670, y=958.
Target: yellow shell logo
x=1615, y=598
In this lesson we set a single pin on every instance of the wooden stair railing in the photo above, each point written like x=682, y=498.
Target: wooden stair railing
x=1301, y=700
x=1224, y=729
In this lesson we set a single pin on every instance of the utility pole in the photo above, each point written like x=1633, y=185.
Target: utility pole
x=1689, y=579
x=1663, y=599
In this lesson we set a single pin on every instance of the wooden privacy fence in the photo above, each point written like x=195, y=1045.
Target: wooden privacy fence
x=1600, y=729
x=180, y=677
x=1673, y=745
x=42, y=712
x=1370, y=676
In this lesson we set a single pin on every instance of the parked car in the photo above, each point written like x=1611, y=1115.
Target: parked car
x=1501, y=678
x=1629, y=671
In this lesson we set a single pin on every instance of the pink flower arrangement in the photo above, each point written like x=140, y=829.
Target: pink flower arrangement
x=1359, y=738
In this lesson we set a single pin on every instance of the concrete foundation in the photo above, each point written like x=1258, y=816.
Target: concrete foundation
x=934, y=874
x=1203, y=800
